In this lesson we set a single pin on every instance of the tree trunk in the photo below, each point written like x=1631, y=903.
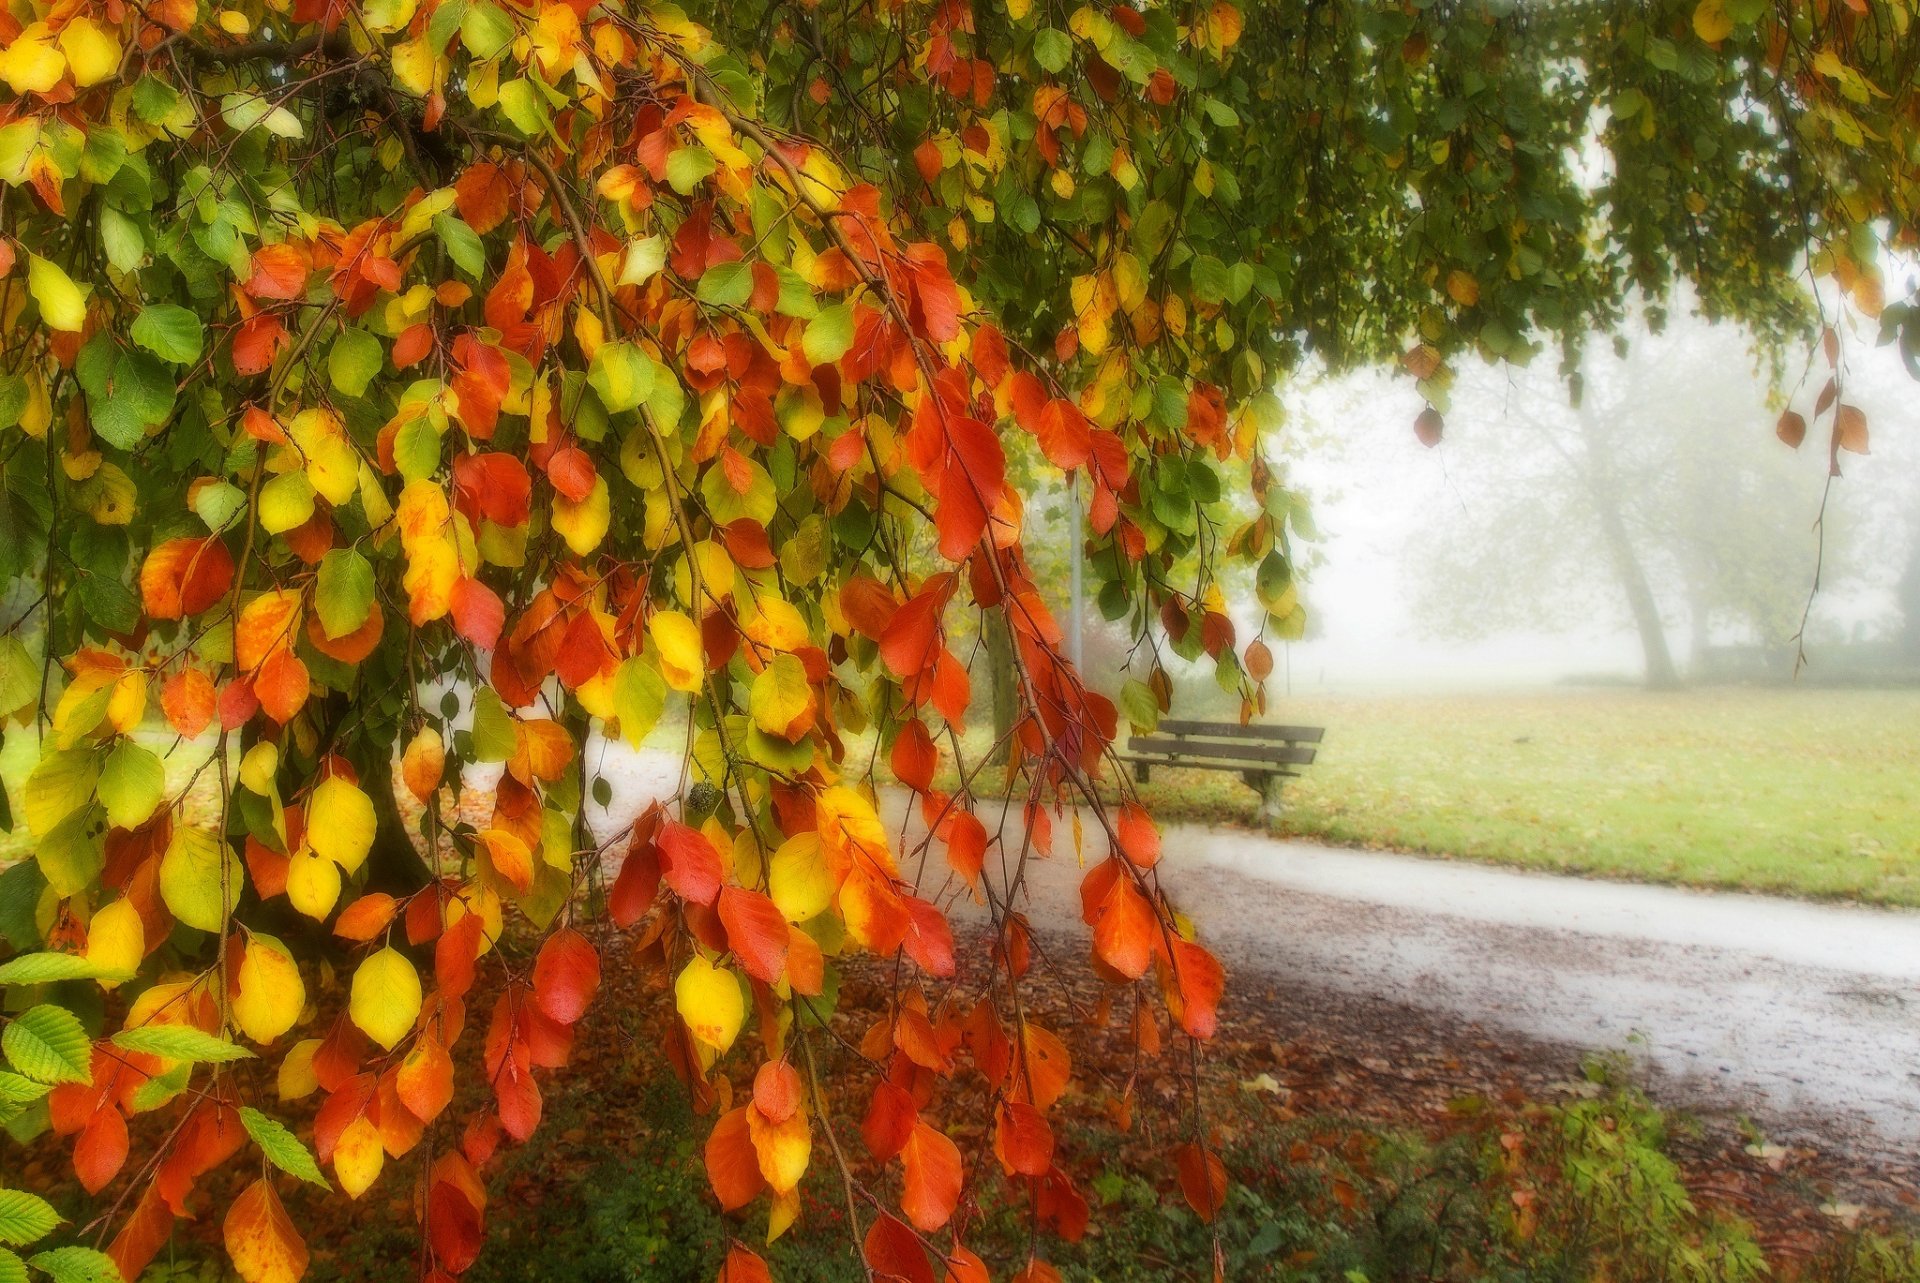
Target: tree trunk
x=1632, y=576
x=1003, y=680
x=1661, y=674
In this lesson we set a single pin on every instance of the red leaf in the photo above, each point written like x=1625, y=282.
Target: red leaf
x=188, y=699
x=255, y=343
x=1064, y=435
x=637, y=884
x=565, y=975
x=890, y=1120
x=776, y=1091
x=756, y=932
x=915, y=758
x=102, y=1148
x=478, y=613
x=182, y=577
x=909, y=643
x=892, y=1252
x=572, y=472
x=693, y=866
x=454, y=1226
x=929, y=941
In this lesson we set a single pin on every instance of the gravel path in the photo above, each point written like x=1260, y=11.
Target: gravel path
x=1806, y=1017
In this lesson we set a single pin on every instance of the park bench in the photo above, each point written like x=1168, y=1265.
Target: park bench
x=1262, y=755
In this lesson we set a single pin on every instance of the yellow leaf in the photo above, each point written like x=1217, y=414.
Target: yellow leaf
x=313, y=883
x=681, y=654
x=32, y=65
x=296, y=1079
x=1462, y=288
x=63, y=305
x=779, y=695
x=116, y=939
x=332, y=466
x=200, y=878
x=386, y=997
x=127, y=706
x=358, y=1156
x=708, y=999
x=93, y=52
x=340, y=823
x=286, y=503
x=798, y=878
x=271, y=991
x=257, y=768
x=781, y=1148
x=1711, y=21
x=584, y=524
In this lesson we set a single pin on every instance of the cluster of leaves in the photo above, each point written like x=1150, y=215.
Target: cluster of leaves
x=553, y=354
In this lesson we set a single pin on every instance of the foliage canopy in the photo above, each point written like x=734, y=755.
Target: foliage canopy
x=576, y=358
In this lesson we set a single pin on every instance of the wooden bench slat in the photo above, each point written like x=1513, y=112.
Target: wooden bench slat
x=1233, y=730
x=1276, y=754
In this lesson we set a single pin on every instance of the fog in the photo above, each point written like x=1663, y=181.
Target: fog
x=1476, y=563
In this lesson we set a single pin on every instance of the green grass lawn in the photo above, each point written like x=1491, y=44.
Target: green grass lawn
x=1803, y=792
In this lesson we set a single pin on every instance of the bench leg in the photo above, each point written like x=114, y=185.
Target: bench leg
x=1142, y=772
x=1270, y=801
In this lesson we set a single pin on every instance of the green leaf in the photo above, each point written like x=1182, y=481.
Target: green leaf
x=285, y=502
x=132, y=782
x=125, y=243
x=1138, y=703
x=170, y=332
x=48, y=1044
x=154, y=99
x=1052, y=48
x=180, y=1042
x=687, y=167
x=639, y=697
x=828, y=335
x=494, y=738
x=354, y=360
x=726, y=284
x=343, y=595
x=621, y=376
x=520, y=103
x=282, y=1148
x=24, y=1217
x=485, y=30
x=244, y=111
x=463, y=245
x=76, y=1265
x=19, y=675
x=12, y=1268
x=45, y=968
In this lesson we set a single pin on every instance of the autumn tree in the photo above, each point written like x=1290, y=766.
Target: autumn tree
x=585, y=357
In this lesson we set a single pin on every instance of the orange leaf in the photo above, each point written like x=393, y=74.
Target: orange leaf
x=733, y=1166
x=933, y=1178
x=692, y=865
x=182, y=577
x=1022, y=1139
x=425, y=1080
x=282, y=686
x=1139, y=837
x=892, y=1252
x=1201, y=982
x=1203, y=1180
x=188, y=700
x=776, y=1090
x=261, y=1239
x=102, y=1148
x=366, y=917
x=743, y=1266
x=279, y=272
x=1127, y=930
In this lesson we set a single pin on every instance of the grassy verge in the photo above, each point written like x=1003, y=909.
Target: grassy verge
x=1798, y=792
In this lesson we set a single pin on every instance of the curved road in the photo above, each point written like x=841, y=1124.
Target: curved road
x=1805, y=1016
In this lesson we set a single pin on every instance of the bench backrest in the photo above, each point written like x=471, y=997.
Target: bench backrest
x=1280, y=745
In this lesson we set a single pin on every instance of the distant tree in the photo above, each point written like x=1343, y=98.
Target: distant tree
x=1647, y=487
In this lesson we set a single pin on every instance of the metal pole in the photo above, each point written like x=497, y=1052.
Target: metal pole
x=1075, y=540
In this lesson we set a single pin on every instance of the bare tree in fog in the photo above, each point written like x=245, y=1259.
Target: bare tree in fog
x=1647, y=491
